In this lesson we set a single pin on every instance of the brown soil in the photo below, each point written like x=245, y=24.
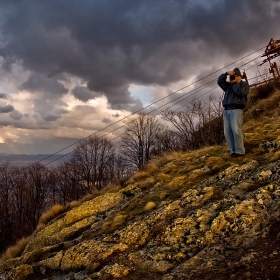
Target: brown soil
x=266, y=264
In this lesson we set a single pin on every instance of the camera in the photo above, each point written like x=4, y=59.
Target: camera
x=232, y=77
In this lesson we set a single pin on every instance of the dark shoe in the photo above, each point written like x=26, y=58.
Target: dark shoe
x=237, y=155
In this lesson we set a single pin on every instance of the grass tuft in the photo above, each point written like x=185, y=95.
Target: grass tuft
x=150, y=206
x=141, y=175
x=14, y=251
x=49, y=215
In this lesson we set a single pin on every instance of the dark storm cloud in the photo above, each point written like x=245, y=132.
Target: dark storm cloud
x=16, y=115
x=4, y=96
x=106, y=120
x=49, y=110
x=84, y=94
x=50, y=117
x=6, y=109
x=37, y=83
x=112, y=44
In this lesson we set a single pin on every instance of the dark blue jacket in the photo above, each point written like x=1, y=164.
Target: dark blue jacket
x=235, y=94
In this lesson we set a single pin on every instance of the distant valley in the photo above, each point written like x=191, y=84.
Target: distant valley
x=25, y=159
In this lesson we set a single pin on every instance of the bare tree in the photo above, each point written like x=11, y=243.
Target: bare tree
x=209, y=124
x=167, y=141
x=93, y=159
x=23, y=193
x=139, y=140
x=183, y=123
x=69, y=184
x=199, y=124
x=6, y=219
x=36, y=192
x=120, y=169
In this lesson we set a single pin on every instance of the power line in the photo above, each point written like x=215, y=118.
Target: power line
x=130, y=121
x=153, y=103
x=143, y=109
x=196, y=90
x=173, y=104
x=183, y=98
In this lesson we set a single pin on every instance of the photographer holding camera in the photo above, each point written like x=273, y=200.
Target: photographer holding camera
x=234, y=101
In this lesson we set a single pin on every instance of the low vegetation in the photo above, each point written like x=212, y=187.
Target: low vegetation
x=162, y=178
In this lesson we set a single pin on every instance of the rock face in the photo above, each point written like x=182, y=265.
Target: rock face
x=210, y=231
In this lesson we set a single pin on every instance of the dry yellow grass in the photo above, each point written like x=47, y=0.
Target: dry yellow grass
x=150, y=206
x=119, y=220
x=146, y=183
x=162, y=177
x=110, y=188
x=178, y=182
x=215, y=163
x=273, y=155
x=113, y=223
x=152, y=167
x=163, y=195
x=14, y=251
x=49, y=215
x=140, y=175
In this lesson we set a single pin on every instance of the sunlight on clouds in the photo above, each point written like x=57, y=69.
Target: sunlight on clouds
x=12, y=137
x=72, y=102
x=8, y=137
x=23, y=101
x=11, y=80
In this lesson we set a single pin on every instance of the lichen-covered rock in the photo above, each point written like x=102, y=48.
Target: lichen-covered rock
x=116, y=270
x=21, y=272
x=88, y=254
x=135, y=234
x=74, y=221
x=52, y=262
x=179, y=239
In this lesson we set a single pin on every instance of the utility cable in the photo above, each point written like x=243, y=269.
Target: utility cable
x=196, y=90
x=144, y=108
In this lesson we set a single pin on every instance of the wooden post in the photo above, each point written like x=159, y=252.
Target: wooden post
x=277, y=70
x=245, y=77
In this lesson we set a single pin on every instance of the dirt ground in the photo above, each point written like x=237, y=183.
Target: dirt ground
x=263, y=262
x=266, y=263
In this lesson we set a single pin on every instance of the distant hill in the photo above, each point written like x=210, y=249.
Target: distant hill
x=25, y=159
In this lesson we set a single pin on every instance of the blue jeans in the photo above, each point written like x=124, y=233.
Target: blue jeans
x=233, y=120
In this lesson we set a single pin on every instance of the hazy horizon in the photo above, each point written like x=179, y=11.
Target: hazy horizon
x=26, y=159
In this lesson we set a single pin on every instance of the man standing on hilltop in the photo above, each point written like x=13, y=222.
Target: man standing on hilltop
x=234, y=101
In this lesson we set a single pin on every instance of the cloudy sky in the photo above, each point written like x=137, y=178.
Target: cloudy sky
x=69, y=68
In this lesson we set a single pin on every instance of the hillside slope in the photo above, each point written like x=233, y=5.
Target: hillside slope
x=195, y=215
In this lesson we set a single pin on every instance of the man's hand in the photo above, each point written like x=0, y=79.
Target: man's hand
x=238, y=79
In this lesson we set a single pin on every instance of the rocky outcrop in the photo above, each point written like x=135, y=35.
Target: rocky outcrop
x=213, y=228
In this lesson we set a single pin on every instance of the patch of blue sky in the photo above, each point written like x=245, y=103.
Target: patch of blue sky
x=144, y=93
